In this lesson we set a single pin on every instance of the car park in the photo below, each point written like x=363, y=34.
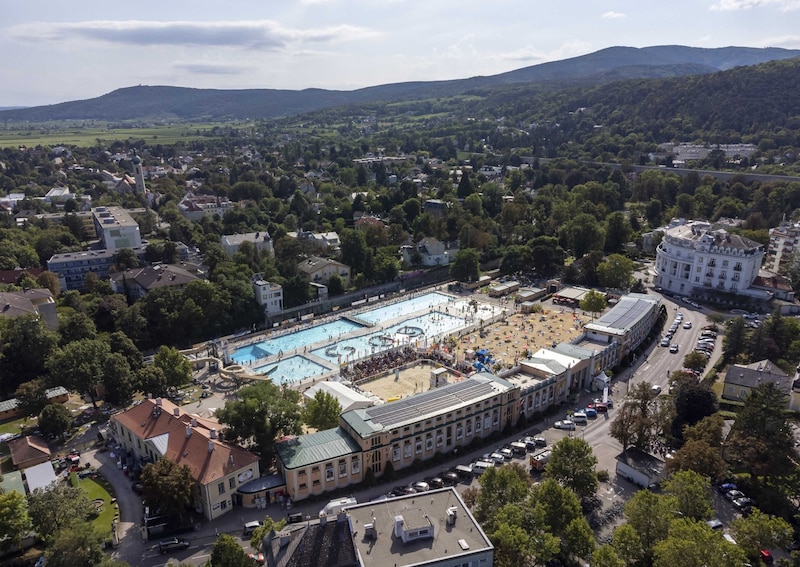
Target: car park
x=173, y=544
x=564, y=424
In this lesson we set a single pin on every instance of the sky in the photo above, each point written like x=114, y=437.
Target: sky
x=53, y=52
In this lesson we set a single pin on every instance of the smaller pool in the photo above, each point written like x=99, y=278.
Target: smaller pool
x=250, y=354
x=292, y=369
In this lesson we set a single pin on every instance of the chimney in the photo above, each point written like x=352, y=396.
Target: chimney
x=213, y=433
x=158, y=402
x=176, y=412
x=210, y=446
x=188, y=431
x=230, y=459
x=194, y=422
x=149, y=396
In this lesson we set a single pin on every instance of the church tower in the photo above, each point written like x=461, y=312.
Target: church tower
x=138, y=174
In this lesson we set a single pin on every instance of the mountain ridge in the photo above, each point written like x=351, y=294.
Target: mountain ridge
x=603, y=66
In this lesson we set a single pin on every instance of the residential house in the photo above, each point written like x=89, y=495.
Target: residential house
x=261, y=241
x=116, y=228
x=28, y=451
x=9, y=409
x=268, y=295
x=321, y=240
x=73, y=267
x=158, y=429
x=137, y=282
x=38, y=302
x=194, y=207
x=431, y=251
x=740, y=379
x=320, y=270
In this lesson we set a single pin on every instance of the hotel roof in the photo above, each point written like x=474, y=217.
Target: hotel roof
x=426, y=405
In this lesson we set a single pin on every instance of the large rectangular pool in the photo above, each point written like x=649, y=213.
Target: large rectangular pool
x=298, y=339
x=292, y=369
x=403, y=307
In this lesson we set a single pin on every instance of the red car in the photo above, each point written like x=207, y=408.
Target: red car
x=599, y=407
x=766, y=556
x=257, y=557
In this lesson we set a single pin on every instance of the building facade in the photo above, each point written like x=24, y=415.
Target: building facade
x=157, y=429
x=320, y=270
x=116, y=228
x=261, y=241
x=73, y=267
x=269, y=295
x=783, y=241
x=627, y=323
x=696, y=259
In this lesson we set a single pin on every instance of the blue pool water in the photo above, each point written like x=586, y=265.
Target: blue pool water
x=406, y=306
x=420, y=328
x=292, y=369
x=290, y=341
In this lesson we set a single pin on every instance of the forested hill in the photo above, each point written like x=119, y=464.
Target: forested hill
x=601, y=67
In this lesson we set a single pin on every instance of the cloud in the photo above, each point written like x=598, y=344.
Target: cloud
x=786, y=41
x=212, y=68
x=728, y=5
x=532, y=54
x=612, y=16
x=261, y=35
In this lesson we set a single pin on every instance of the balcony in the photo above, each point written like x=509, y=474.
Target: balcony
x=737, y=268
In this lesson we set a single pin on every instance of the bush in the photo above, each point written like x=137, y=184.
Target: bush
x=603, y=476
x=369, y=479
x=389, y=474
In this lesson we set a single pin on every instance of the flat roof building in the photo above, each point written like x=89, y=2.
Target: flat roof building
x=116, y=228
x=628, y=322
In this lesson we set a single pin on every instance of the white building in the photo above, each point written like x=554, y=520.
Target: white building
x=116, y=228
x=260, y=240
x=783, y=240
x=268, y=295
x=698, y=258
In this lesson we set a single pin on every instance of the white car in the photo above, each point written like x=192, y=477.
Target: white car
x=687, y=325
x=564, y=424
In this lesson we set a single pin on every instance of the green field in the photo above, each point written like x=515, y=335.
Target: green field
x=91, y=136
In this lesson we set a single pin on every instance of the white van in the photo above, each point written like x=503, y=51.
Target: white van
x=579, y=417
x=335, y=506
x=250, y=527
x=480, y=467
x=729, y=538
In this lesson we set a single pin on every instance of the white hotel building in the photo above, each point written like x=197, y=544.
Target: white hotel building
x=696, y=258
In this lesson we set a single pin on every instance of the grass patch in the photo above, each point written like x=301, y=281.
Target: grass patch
x=95, y=490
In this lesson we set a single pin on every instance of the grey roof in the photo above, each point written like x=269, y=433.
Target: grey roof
x=317, y=447
x=315, y=263
x=625, y=314
x=574, y=351
x=51, y=393
x=312, y=545
x=757, y=373
x=426, y=405
x=158, y=275
x=262, y=483
x=642, y=462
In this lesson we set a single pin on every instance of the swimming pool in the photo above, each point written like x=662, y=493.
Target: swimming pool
x=292, y=369
x=297, y=339
x=402, y=307
x=413, y=330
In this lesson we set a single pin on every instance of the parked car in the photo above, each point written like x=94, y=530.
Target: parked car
x=687, y=325
x=540, y=441
x=665, y=341
x=590, y=412
x=765, y=556
x=564, y=424
x=733, y=495
x=674, y=348
x=507, y=453
x=656, y=389
x=173, y=544
x=250, y=527
x=579, y=417
x=497, y=458
x=257, y=557
x=421, y=486
x=598, y=407
x=609, y=402
x=726, y=487
x=437, y=482
x=743, y=504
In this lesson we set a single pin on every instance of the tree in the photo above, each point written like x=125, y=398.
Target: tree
x=263, y=531
x=693, y=401
x=691, y=491
x=118, y=380
x=174, y=365
x=650, y=515
x=735, y=339
x=761, y=438
x=593, y=302
x=167, y=486
x=691, y=543
x=56, y=507
x=55, y=421
x=49, y=280
x=700, y=457
x=465, y=267
x=31, y=397
x=500, y=486
x=353, y=247
x=627, y=543
x=15, y=522
x=634, y=422
x=695, y=361
x=322, y=411
x=262, y=413
x=522, y=537
x=606, y=556
x=465, y=188
x=572, y=464
x=760, y=531
x=151, y=380
x=616, y=272
x=25, y=347
x=125, y=259
x=227, y=552
x=76, y=544
x=79, y=366
x=120, y=343
x=76, y=326
x=618, y=231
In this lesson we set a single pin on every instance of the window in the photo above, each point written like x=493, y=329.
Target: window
x=316, y=482
x=419, y=446
x=478, y=425
x=396, y=453
x=232, y=483
x=315, y=468
x=439, y=440
x=303, y=486
x=342, y=468
x=355, y=465
x=407, y=449
x=429, y=444
x=302, y=473
x=221, y=487
x=328, y=472
x=459, y=432
x=469, y=428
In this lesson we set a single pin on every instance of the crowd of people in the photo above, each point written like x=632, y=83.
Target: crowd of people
x=379, y=363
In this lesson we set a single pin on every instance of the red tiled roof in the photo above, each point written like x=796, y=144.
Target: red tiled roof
x=147, y=422
x=28, y=448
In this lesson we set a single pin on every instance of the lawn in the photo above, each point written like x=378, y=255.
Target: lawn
x=51, y=135
x=96, y=489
